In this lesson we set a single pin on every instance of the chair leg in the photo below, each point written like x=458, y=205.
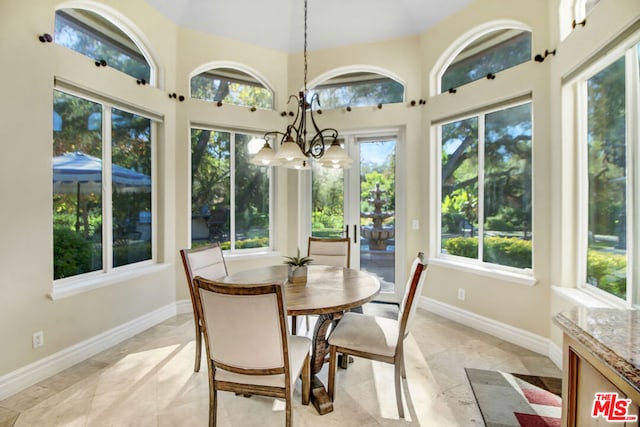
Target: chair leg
x=332, y=371
x=213, y=407
x=288, y=411
x=398, y=381
x=294, y=325
x=306, y=381
x=199, y=337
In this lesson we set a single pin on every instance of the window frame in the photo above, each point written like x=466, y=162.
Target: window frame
x=627, y=49
x=523, y=276
x=272, y=176
x=110, y=274
x=209, y=71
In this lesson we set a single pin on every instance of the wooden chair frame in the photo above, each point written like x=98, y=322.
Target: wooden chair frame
x=398, y=358
x=270, y=391
x=197, y=318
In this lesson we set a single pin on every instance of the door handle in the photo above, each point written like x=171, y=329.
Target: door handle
x=346, y=231
x=355, y=234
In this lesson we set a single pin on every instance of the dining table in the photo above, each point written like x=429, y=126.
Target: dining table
x=328, y=292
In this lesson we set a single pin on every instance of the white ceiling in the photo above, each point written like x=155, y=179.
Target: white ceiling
x=279, y=24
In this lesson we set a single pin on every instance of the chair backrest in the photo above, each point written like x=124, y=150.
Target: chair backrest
x=330, y=251
x=206, y=261
x=413, y=291
x=245, y=326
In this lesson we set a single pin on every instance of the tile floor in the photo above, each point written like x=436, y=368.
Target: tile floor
x=148, y=380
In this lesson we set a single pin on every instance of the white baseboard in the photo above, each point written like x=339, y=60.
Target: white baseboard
x=501, y=330
x=24, y=377
x=184, y=306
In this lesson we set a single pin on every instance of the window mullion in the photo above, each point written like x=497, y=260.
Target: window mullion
x=232, y=190
x=582, y=213
x=107, y=208
x=480, y=205
x=632, y=72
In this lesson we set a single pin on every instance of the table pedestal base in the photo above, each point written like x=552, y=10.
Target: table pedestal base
x=319, y=396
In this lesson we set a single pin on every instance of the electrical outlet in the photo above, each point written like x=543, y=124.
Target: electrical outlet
x=38, y=339
x=461, y=294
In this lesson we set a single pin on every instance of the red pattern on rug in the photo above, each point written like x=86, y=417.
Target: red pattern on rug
x=542, y=397
x=529, y=420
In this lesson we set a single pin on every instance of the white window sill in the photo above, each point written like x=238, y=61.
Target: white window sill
x=521, y=278
x=242, y=256
x=73, y=286
x=585, y=299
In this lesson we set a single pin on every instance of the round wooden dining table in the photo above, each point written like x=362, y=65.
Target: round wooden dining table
x=329, y=292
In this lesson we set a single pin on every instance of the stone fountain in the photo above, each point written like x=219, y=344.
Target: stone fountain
x=376, y=233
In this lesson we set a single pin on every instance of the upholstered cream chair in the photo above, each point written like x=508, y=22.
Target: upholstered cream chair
x=378, y=338
x=208, y=262
x=327, y=251
x=249, y=348
x=330, y=251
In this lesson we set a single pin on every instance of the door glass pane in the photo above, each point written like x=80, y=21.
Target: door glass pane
x=77, y=185
x=327, y=201
x=459, y=209
x=131, y=187
x=507, y=187
x=377, y=210
x=607, y=254
x=251, y=198
x=210, y=187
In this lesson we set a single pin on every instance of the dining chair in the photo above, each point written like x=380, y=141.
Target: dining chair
x=378, y=338
x=330, y=251
x=327, y=251
x=206, y=261
x=249, y=348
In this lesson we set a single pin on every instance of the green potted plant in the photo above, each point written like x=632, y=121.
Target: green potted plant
x=297, y=268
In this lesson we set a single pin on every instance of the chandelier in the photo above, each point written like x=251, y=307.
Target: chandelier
x=297, y=146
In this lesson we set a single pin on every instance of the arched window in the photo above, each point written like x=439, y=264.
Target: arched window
x=231, y=86
x=98, y=38
x=358, y=89
x=487, y=54
x=582, y=8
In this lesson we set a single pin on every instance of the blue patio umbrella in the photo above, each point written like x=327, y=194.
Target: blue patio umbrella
x=81, y=173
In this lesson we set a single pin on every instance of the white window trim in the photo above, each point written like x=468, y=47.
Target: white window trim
x=109, y=274
x=233, y=252
x=517, y=275
x=626, y=49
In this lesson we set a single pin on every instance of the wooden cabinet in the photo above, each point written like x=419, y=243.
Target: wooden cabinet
x=601, y=360
x=583, y=377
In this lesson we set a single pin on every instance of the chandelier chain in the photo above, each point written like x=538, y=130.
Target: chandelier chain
x=305, y=47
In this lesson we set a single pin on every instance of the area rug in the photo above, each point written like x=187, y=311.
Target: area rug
x=508, y=399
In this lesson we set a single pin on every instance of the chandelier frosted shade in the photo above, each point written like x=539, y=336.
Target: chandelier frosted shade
x=265, y=157
x=336, y=157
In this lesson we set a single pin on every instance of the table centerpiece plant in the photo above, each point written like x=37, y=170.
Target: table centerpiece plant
x=297, y=268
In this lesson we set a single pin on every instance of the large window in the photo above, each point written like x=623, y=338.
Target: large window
x=102, y=168
x=358, y=90
x=611, y=195
x=231, y=86
x=491, y=53
x=485, y=210
x=98, y=38
x=230, y=197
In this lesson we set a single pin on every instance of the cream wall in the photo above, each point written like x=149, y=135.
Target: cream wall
x=28, y=69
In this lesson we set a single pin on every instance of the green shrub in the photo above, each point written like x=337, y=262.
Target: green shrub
x=607, y=271
x=462, y=246
x=510, y=251
x=71, y=253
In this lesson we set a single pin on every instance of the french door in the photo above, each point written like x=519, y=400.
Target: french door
x=360, y=203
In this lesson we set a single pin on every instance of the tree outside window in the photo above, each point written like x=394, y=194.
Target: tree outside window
x=230, y=197
x=486, y=199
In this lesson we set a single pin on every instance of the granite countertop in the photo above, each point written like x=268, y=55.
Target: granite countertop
x=612, y=335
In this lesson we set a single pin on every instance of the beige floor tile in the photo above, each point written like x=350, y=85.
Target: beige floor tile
x=148, y=380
